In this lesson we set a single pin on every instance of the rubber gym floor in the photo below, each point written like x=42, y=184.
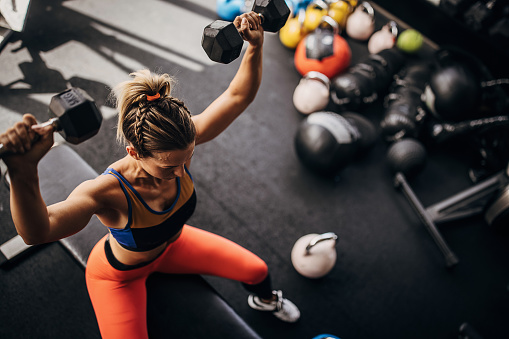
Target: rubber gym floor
x=389, y=280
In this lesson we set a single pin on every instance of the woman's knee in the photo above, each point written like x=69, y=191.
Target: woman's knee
x=258, y=272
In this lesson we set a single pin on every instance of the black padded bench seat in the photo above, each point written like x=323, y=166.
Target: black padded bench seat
x=179, y=306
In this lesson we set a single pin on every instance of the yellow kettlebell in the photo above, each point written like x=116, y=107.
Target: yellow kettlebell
x=293, y=31
x=314, y=14
x=339, y=11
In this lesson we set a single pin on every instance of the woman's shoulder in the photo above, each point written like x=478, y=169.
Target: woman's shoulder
x=102, y=188
x=105, y=194
x=99, y=187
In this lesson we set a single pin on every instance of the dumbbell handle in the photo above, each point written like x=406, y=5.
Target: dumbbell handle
x=445, y=131
x=400, y=182
x=55, y=122
x=269, y=29
x=262, y=18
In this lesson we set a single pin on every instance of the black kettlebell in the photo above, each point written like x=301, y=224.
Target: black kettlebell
x=365, y=80
x=405, y=111
x=349, y=91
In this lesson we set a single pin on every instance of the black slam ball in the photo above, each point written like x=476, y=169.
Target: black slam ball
x=453, y=93
x=407, y=156
x=326, y=142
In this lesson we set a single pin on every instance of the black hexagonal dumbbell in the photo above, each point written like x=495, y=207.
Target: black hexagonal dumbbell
x=223, y=43
x=78, y=118
x=74, y=115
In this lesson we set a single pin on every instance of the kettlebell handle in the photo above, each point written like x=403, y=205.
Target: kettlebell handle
x=320, y=238
x=368, y=9
x=314, y=75
x=319, y=3
x=301, y=16
x=393, y=27
x=331, y=22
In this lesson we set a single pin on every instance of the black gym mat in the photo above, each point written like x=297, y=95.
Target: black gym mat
x=389, y=280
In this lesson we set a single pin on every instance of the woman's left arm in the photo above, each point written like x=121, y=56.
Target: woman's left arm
x=242, y=89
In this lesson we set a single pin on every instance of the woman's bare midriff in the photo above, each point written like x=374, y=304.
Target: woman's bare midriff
x=127, y=257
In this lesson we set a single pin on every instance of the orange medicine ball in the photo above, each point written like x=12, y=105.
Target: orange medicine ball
x=330, y=65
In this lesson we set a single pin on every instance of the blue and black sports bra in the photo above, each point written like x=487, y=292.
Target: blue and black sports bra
x=146, y=228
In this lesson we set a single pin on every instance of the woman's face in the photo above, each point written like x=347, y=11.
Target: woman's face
x=167, y=165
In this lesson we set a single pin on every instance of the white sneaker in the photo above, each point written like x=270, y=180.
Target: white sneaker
x=282, y=308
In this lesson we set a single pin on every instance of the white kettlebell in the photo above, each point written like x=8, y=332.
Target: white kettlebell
x=314, y=255
x=361, y=23
x=312, y=93
x=385, y=38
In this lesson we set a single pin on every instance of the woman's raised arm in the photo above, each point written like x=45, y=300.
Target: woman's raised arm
x=242, y=89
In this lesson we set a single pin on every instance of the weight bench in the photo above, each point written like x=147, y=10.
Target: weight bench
x=179, y=306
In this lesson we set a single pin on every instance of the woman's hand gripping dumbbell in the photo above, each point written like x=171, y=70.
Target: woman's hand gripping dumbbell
x=223, y=40
x=73, y=114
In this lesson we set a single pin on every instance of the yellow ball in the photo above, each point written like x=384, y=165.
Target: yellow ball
x=410, y=41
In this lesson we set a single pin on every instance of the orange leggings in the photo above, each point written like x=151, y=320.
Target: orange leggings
x=119, y=297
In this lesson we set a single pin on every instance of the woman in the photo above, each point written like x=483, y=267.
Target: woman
x=146, y=197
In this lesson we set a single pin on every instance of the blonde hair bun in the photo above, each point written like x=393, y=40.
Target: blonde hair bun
x=149, y=118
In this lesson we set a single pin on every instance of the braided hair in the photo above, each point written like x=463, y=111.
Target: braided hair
x=150, y=119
